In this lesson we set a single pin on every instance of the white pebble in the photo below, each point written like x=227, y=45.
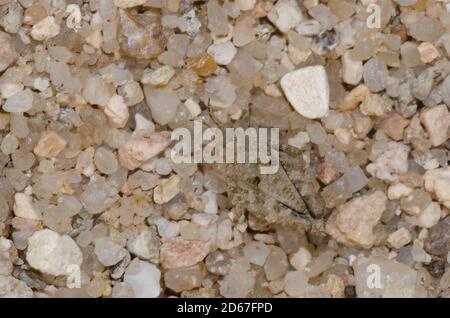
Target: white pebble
x=52, y=253
x=45, y=29
x=74, y=18
x=144, y=279
x=222, y=53
x=307, y=90
x=158, y=77
x=24, y=207
x=245, y=5
x=117, y=112
x=19, y=102
x=285, y=14
x=193, y=107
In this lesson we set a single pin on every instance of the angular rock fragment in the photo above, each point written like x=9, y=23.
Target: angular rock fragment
x=50, y=144
x=141, y=35
x=143, y=147
x=352, y=223
x=437, y=181
x=391, y=163
x=176, y=253
x=11, y=287
x=436, y=121
x=52, y=253
x=144, y=279
x=285, y=14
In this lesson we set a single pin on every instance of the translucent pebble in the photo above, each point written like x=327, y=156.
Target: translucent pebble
x=256, y=252
x=276, y=264
x=163, y=166
x=11, y=19
x=375, y=74
x=105, y=161
x=180, y=279
x=217, y=18
x=426, y=29
x=20, y=102
x=316, y=133
x=108, y=252
x=163, y=103
x=97, y=91
x=144, y=279
x=9, y=144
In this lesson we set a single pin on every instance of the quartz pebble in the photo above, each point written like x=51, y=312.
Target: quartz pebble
x=50, y=144
x=52, y=253
x=399, y=238
x=46, y=29
x=143, y=278
x=256, y=252
x=24, y=207
x=352, y=71
x=117, y=112
x=143, y=147
x=175, y=253
x=285, y=14
x=222, y=53
x=390, y=164
x=428, y=53
x=146, y=246
x=167, y=190
x=20, y=102
x=374, y=105
x=140, y=35
x=301, y=259
x=352, y=223
x=307, y=91
x=8, y=52
x=245, y=5
x=437, y=181
x=108, y=252
x=11, y=287
x=436, y=121
x=158, y=77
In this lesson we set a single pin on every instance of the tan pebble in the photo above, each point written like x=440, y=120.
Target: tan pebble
x=399, y=238
x=327, y=173
x=394, y=125
x=436, y=121
x=354, y=98
x=46, y=29
x=167, y=190
x=8, y=53
x=428, y=52
x=4, y=120
x=335, y=286
x=143, y=147
x=352, y=223
x=177, y=253
x=375, y=105
x=117, y=112
x=49, y=145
